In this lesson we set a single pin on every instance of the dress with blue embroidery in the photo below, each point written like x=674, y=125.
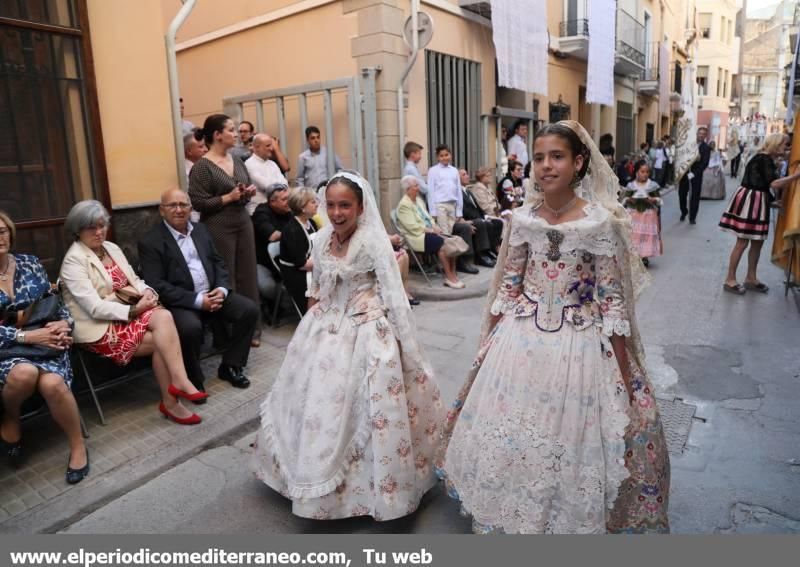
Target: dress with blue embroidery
x=30, y=283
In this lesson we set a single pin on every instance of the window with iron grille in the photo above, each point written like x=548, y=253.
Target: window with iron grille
x=453, y=87
x=625, y=135
x=49, y=119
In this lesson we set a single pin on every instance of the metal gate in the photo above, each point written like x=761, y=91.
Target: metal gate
x=453, y=90
x=361, y=108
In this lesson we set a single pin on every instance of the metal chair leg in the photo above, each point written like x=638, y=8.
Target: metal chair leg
x=91, y=388
x=84, y=429
x=276, y=322
x=419, y=265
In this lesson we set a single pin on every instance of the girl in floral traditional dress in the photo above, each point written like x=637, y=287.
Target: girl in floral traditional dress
x=354, y=418
x=556, y=429
x=643, y=200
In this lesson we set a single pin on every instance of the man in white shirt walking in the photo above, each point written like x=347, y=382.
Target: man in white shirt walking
x=263, y=171
x=312, y=165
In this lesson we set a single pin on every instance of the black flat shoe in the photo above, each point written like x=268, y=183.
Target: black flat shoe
x=413, y=301
x=485, y=261
x=13, y=452
x=74, y=476
x=233, y=375
x=466, y=268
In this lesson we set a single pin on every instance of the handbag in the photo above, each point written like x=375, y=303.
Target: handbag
x=454, y=246
x=42, y=311
x=128, y=295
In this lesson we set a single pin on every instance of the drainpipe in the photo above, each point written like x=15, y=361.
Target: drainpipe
x=412, y=58
x=174, y=91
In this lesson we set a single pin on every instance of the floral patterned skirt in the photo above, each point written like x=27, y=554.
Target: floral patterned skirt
x=541, y=442
x=646, y=232
x=122, y=339
x=347, y=430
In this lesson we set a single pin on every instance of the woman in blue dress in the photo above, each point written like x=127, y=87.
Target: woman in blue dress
x=23, y=281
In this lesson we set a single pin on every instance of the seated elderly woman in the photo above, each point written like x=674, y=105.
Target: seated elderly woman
x=483, y=194
x=421, y=233
x=35, y=359
x=117, y=315
x=295, y=257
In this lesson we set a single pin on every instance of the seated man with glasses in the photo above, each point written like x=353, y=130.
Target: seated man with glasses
x=180, y=262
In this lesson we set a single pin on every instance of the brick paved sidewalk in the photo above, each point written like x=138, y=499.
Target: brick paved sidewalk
x=135, y=431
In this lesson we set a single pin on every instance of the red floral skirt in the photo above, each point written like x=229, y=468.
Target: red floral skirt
x=122, y=339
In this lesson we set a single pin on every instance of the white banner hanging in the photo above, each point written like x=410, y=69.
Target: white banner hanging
x=519, y=30
x=663, y=78
x=602, y=37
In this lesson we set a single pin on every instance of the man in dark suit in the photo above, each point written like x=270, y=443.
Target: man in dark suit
x=487, y=234
x=180, y=262
x=694, y=178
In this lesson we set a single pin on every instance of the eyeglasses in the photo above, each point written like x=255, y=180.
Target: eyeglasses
x=5, y=232
x=176, y=206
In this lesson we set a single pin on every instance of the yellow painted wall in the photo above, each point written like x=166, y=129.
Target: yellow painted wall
x=133, y=95
x=272, y=56
x=211, y=15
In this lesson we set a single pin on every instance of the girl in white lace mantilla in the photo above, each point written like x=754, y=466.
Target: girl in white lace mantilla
x=556, y=429
x=352, y=423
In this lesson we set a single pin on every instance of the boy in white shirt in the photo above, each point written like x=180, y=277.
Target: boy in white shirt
x=445, y=200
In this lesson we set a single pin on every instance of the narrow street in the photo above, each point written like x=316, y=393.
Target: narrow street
x=727, y=369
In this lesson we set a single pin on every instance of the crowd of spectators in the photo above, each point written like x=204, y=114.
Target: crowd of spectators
x=212, y=263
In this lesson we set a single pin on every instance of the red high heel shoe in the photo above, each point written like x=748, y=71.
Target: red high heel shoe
x=196, y=398
x=194, y=419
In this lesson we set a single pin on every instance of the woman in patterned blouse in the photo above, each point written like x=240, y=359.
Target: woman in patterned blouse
x=23, y=281
x=220, y=187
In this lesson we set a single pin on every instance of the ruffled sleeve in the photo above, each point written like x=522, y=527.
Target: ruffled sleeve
x=513, y=276
x=611, y=296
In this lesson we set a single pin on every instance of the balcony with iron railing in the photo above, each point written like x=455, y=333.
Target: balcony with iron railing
x=574, y=30
x=630, y=45
x=649, y=79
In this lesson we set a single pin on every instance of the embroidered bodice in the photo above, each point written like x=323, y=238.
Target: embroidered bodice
x=345, y=287
x=567, y=273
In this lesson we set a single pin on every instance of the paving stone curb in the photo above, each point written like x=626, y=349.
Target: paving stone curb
x=63, y=510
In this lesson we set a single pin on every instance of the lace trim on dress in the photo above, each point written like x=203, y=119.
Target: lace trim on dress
x=615, y=326
x=296, y=488
x=593, y=233
x=492, y=512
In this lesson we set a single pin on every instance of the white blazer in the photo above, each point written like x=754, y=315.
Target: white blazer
x=88, y=290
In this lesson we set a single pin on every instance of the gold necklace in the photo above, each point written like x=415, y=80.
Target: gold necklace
x=558, y=212
x=4, y=273
x=102, y=254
